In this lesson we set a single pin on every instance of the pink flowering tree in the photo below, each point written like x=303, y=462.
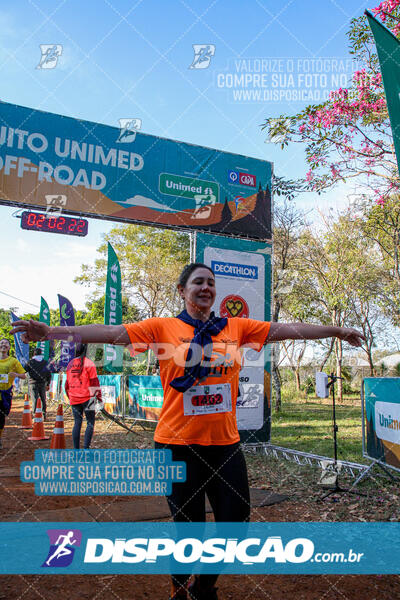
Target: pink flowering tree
x=348, y=137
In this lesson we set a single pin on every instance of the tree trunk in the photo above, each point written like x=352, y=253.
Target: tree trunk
x=298, y=366
x=148, y=362
x=297, y=378
x=276, y=377
x=327, y=355
x=371, y=363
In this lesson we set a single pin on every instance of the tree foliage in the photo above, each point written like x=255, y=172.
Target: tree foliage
x=5, y=326
x=288, y=224
x=150, y=261
x=348, y=137
x=338, y=274
x=381, y=224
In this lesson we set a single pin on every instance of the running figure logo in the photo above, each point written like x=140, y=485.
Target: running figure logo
x=202, y=56
x=50, y=55
x=128, y=129
x=55, y=203
x=62, y=547
x=204, y=204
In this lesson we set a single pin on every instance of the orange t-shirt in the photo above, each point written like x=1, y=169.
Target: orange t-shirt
x=170, y=339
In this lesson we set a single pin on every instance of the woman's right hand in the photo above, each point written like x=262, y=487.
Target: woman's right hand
x=32, y=331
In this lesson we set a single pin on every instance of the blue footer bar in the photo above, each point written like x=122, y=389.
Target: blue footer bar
x=153, y=548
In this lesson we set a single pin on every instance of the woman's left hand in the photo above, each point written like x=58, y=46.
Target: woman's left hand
x=351, y=336
x=31, y=331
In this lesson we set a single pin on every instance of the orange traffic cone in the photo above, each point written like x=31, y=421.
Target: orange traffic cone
x=58, y=437
x=26, y=415
x=38, y=427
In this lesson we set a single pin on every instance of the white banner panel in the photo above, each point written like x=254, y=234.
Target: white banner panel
x=387, y=421
x=240, y=284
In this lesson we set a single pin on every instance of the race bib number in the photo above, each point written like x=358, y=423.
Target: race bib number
x=4, y=378
x=207, y=399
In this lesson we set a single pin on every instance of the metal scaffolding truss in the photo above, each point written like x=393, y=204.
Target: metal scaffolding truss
x=304, y=458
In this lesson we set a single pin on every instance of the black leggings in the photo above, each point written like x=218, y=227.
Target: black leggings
x=39, y=390
x=77, y=410
x=221, y=473
x=5, y=405
x=2, y=414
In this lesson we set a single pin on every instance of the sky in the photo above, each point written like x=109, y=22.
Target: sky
x=132, y=59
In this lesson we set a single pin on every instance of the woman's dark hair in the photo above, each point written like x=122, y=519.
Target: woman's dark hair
x=188, y=270
x=80, y=352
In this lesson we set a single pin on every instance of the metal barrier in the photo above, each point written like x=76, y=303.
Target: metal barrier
x=303, y=458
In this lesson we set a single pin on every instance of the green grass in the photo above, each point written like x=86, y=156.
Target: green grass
x=306, y=425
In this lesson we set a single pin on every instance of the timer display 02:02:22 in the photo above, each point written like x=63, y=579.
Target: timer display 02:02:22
x=61, y=224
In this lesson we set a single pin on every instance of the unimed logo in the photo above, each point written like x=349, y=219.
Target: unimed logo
x=387, y=421
x=189, y=550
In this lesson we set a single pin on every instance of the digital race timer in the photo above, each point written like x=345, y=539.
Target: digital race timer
x=56, y=224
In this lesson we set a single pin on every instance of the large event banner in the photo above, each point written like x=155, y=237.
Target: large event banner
x=44, y=317
x=113, y=310
x=145, y=397
x=100, y=171
x=382, y=419
x=54, y=386
x=243, y=283
x=61, y=384
x=67, y=318
x=111, y=393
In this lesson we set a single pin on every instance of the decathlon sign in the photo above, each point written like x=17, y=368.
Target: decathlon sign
x=243, y=278
x=234, y=270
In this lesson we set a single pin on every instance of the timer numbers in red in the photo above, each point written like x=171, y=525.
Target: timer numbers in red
x=54, y=224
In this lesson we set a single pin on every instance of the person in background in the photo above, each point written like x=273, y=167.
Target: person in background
x=10, y=368
x=83, y=389
x=38, y=370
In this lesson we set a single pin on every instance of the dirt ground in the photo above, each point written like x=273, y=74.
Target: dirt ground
x=19, y=503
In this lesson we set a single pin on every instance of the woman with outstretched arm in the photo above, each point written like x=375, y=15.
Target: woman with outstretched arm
x=200, y=361
x=117, y=334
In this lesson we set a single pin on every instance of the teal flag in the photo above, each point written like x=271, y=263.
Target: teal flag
x=388, y=48
x=44, y=317
x=113, y=311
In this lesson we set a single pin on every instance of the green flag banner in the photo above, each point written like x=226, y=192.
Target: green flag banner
x=388, y=48
x=113, y=311
x=44, y=317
